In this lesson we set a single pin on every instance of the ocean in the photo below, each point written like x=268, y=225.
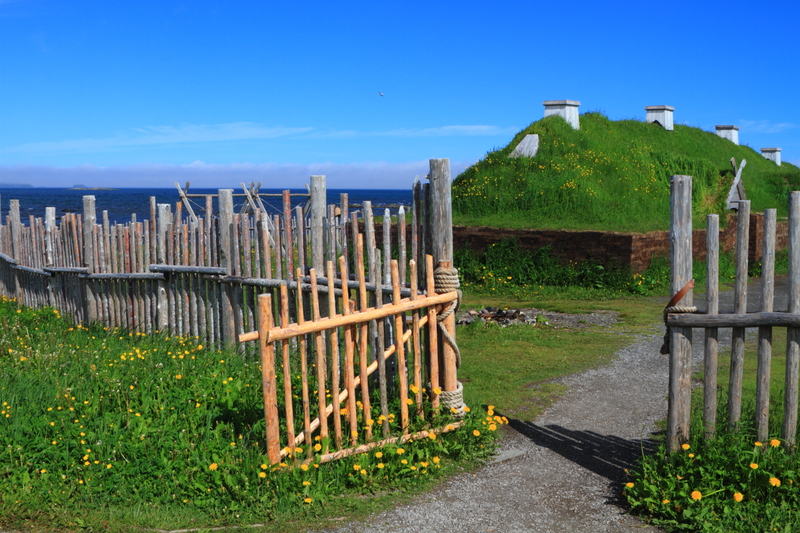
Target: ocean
x=121, y=203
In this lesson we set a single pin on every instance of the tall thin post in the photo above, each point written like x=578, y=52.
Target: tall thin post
x=680, y=357
x=226, y=261
x=739, y=307
x=89, y=221
x=318, y=203
x=711, y=341
x=789, y=430
x=765, y=332
x=268, y=377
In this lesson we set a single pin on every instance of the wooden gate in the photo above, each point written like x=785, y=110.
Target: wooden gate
x=680, y=320
x=318, y=344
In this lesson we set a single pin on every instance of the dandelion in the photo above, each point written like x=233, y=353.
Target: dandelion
x=774, y=443
x=685, y=446
x=432, y=435
x=400, y=451
x=317, y=447
x=759, y=444
x=476, y=433
x=696, y=495
x=304, y=467
x=409, y=401
x=108, y=466
x=263, y=466
x=629, y=484
x=466, y=409
x=178, y=376
x=738, y=496
x=691, y=456
x=381, y=465
x=308, y=500
x=414, y=389
x=775, y=482
x=213, y=466
x=665, y=501
x=437, y=390
x=306, y=483
x=379, y=454
x=754, y=465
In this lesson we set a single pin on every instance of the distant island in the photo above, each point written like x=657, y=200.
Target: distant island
x=85, y=188
x=16, y=186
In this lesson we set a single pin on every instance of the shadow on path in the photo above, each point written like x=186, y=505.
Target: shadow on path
x=605, y=455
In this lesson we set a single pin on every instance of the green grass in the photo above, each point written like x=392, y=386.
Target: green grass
x=112, y=431
x=742, y=485
x=611, y=176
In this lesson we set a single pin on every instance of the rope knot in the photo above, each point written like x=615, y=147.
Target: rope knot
x=673, y=308
x=446, y=280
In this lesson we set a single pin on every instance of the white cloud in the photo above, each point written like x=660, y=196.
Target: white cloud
x=765, y=126
x=357, y=175
x=235, y=131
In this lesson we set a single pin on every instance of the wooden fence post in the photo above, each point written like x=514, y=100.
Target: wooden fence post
x=318, y=203
x=89, y=221
x=711, y=343
x=16, y=235
x=765, y=332
x=739, y=307
x=789, y=430
x=162, y=305
x=226, y=261
x=268, y=378
x=442, y=241
x=680, y=356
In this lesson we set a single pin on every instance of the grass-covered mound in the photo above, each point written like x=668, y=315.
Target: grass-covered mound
x=611, y=175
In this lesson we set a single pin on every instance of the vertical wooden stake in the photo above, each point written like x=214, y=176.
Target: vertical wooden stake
x=318, y=203
x=789, y=429
x=400, y=350
x=680, y=357
x=765, y=332
x=268, y=379
x=739, y=307
x=711, y=344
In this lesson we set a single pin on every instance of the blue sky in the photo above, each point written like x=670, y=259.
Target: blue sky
x=145, y=93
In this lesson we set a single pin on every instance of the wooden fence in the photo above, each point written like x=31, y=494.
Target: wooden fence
x=681, y=321
x=200, y=276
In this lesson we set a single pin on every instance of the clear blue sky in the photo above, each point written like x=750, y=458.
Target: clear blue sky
x=145, y=93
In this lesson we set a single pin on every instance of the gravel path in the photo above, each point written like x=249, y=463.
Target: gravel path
x=563, y=471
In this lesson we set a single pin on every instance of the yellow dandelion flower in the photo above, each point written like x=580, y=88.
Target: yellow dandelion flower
x=380, y=465
x=378, y=454
x=409, y=401
x=432, y=435
x=178, y=376
x=414, y=389
x=466, y=409
x=437, y=390
x=685, y=446
x=476, y=433
x=317, y=447
x=308, y=500
x=775, y=482
x=754, y=465
x=306, y=483
x=213, y=466
x=738, y=496
x=696, y=495
x=400, y=451
x=629, y=484
x=774, y=443
x=262, y=474
x=759, y=444
x=304, y=467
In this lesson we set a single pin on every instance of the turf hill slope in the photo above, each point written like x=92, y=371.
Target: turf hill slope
x=611, y=176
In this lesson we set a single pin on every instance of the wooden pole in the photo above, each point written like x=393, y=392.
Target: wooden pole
x=765, y=332
x=268, y=379
x=227, y=260
x=89, y=221
x=789, y=429
x=680, y=362
x=739, y=307
x=318, y=203
x=711, y=341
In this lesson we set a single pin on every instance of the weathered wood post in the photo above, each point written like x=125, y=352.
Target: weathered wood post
x=442, y=241
x=162, y=233
x=789, y=429
x=765, y=332
x=89, y=221
x=680, y=343
x=711, y=342
x=226, y=261
x=318, y=202
x=49, y=228
x=16, y=235
x=740, y=308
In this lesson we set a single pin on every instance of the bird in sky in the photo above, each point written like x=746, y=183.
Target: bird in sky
x=380, y=94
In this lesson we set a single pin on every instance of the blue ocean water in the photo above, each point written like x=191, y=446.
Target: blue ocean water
x=121, y=203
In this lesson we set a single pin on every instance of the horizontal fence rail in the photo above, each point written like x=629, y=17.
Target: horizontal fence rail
x=680, y=321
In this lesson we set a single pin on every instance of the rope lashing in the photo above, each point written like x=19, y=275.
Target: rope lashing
x=454, y=399
x=446, y=280
x=672, y=308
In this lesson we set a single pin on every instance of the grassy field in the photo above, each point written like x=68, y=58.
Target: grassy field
x=611, y=176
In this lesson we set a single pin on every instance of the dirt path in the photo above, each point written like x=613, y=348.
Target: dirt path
x=562, y=472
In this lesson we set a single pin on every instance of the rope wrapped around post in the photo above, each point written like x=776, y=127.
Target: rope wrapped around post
x=445, y=279
x=672, y=308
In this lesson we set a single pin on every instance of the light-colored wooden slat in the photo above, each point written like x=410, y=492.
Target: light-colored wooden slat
x=402, y=371
x=287, y=231
x=363, y=338
x=739, y=307
x=789, y=428
x=383, y=384
x=319, y=341
x=433, y=336
x=268, y=379
x=303, y=370
x=763, y=372
x=288, y=394
x=349, y=361
x=416, y=344
x=710, y=358
x=335, y=365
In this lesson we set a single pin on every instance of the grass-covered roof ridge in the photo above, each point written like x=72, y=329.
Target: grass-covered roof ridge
x=612, y=175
